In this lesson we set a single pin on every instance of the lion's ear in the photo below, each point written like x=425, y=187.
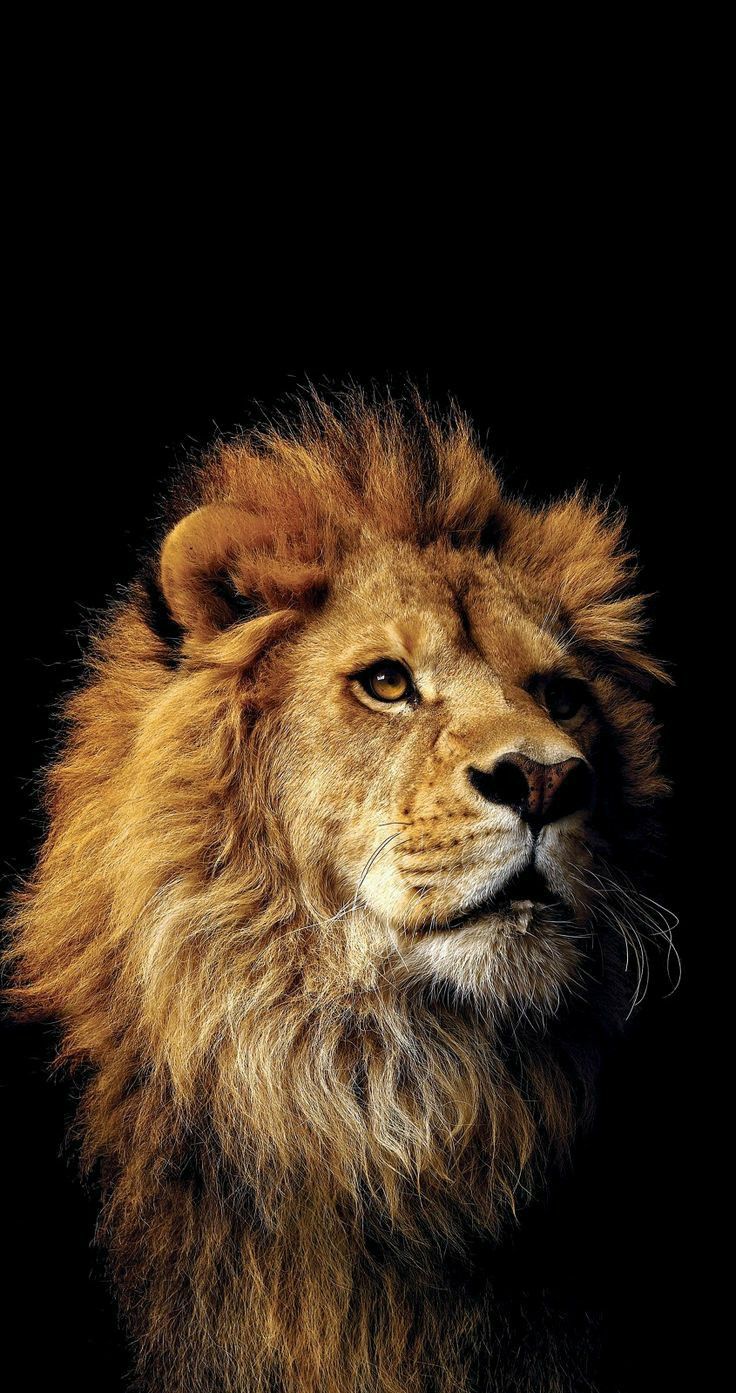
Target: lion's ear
x=576, y=552
x=221, y=566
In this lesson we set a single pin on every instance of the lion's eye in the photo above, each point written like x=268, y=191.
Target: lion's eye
x=387, y=681
x=564, y=697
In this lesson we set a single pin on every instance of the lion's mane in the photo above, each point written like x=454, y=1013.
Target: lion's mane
x=295, y=1172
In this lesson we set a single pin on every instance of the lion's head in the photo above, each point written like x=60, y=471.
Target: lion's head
x=327, y=888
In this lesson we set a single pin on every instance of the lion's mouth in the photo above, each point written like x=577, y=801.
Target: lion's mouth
x=516, y=903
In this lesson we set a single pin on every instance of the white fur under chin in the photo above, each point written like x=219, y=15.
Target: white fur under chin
x=506, y=962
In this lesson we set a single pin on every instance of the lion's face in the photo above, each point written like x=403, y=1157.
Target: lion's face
x=427, y=694
x=436, y=761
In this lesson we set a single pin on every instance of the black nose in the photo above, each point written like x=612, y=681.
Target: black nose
x=540, y=793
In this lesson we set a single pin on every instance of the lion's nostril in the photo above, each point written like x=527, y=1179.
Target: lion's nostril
x=540, y=793
x=573, y=792
x=504, y=784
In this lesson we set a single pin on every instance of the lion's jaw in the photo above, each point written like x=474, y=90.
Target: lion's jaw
x=400, y=858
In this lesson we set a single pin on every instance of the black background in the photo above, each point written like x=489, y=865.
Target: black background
x=588, y=370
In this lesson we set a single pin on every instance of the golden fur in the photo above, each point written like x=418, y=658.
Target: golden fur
x=308, y=1098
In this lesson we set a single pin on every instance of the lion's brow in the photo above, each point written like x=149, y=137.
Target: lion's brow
x=458, y=602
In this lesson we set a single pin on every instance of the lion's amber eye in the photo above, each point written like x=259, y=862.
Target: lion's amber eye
x=387, y=681
x=564, y=697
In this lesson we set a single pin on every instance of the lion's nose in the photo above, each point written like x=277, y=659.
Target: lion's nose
x=540, y=793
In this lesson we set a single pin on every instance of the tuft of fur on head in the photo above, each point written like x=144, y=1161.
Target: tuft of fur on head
x=299, y=1144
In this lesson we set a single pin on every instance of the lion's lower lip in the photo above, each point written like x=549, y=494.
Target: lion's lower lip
x=517, y=901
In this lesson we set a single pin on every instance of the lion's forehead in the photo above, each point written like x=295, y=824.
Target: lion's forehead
x=441, y=610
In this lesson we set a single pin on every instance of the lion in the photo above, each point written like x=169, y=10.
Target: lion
x=330, y=911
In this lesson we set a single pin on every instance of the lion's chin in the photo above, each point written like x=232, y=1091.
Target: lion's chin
x=509, y=959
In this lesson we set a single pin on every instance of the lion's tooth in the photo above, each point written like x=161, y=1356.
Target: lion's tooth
x=522, y=911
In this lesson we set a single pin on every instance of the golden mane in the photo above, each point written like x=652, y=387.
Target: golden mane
x=292, y=1161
